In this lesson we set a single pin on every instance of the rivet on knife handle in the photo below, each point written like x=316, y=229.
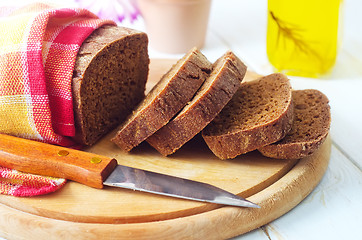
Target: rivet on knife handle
x=49, y=160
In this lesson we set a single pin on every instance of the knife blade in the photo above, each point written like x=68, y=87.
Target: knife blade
x=97, y=171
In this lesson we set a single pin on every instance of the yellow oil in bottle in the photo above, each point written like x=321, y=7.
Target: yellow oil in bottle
x=302, y=36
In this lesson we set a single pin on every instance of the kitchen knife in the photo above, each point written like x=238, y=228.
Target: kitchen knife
x=96, y=171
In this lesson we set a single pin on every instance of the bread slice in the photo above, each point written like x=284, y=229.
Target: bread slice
x=167, y=98
x=224, y=80
x=109, y=79
x=310, y=127
x=260, y=113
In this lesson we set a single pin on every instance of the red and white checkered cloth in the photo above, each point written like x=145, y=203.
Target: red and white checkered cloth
x=38, y=48
x=20, y=184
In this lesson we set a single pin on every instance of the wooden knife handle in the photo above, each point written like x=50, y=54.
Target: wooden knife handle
x=54, y=161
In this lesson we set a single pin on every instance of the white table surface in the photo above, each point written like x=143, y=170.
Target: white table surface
x=334, y=209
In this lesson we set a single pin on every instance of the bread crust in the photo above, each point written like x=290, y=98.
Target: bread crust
x=167, y=98
x=313, y=117
x=215, y=93
x=109, y=80
x=228, y=138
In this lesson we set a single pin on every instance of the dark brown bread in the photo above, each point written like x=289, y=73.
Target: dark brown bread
x=109, y=80
x=214, y=94
x=167, y=98
x=260, y=113
x=310, y=127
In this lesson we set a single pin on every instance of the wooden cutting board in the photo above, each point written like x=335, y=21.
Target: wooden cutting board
x=80, y=212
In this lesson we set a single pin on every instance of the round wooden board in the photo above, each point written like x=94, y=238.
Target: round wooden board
x=220, y=223
x=80, y=212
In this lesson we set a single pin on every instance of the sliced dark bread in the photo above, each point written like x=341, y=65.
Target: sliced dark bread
x=109, y=80
x=215, y=93
x=167, y=98
x=260, y=113
x=310, y=127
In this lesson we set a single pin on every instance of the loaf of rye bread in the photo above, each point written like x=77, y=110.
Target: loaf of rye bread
x=109, y=80
x=165, y=100
x=260, y=113
x=310, y=127
x=224, y=80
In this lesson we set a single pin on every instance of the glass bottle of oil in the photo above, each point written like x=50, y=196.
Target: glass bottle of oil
x=302, y=36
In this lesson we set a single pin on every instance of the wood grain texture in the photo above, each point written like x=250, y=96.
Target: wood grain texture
x=332, y=210
x=220, y=223
x=81, y=212
x=245, y=175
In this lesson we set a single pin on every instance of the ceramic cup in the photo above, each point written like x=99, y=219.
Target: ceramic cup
x=175, y=26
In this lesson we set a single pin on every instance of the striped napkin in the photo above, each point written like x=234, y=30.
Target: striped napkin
x=38, y=48
x=21, y=184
